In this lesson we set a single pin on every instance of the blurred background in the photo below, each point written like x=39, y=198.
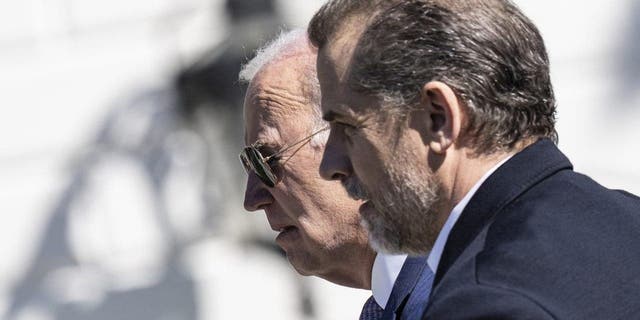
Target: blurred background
x=120, y=125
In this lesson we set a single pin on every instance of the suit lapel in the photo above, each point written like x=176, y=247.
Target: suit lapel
x=406, y=281
x=514, y=177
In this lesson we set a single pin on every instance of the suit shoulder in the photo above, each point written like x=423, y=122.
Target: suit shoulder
x=565, y=243
x=567, y=202
x=485, y=302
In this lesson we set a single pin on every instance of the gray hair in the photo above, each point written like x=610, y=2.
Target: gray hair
x=290, y=44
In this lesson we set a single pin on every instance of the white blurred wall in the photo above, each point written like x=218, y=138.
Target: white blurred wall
x=593, y=46
x=64, y=64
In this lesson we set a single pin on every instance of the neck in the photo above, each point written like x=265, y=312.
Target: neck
x=470, y=172
x=355, y=274
x=462, y=172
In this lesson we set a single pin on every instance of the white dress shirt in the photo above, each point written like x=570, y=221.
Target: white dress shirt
x=384, y=273
x=436, y=252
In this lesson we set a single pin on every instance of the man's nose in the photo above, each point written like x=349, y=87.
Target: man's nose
x=335, y=163
x=256, y=195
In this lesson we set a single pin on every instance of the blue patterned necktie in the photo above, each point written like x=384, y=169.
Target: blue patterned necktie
x=371, y=310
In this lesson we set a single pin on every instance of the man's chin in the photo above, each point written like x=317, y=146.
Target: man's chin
x=377, y=239
x=299, y=264
x=386, y=238
x=380, y=245
x=394, y=246
x=384, y=246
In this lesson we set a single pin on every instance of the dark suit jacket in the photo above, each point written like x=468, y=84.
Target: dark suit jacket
x=410, y=291
x=540, y=241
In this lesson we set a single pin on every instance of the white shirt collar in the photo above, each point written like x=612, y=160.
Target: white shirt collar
x=434, y=256
x=384, y=273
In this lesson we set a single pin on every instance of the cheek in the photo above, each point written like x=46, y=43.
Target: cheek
x=323, y=207
x=368, y=161
x=339, y=211
x=299, y=196
x=330, y=207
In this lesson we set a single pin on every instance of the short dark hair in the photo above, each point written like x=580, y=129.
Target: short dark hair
x=487, y=51
x=333, y=14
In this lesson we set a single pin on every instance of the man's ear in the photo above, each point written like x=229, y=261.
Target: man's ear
x=443, y=112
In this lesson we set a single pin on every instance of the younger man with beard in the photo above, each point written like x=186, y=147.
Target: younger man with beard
x=444, y=111
x=318, y=223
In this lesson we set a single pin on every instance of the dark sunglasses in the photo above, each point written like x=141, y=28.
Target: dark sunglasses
x=252, y=159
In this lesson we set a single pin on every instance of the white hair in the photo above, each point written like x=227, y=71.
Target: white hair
x=294, y=43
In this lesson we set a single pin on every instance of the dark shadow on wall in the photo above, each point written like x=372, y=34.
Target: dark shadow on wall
x=210, y=83
x=173, y=292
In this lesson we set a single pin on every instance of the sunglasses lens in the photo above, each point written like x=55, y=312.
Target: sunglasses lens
x=252, y=160
x=260, y=167
x=245, y=162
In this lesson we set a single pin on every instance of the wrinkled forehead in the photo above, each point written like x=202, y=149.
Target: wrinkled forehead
x=260, y=125
x=273, y=111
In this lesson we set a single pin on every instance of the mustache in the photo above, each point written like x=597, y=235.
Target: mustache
x=355, y=189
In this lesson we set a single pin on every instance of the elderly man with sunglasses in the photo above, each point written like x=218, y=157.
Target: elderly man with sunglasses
x=318, y=223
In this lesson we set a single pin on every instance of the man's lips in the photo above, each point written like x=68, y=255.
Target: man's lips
x=282, y=227
x=287, y=234
x=278, y=221
x=287, y=231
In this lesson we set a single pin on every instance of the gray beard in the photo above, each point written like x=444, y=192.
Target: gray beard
x=407, y=215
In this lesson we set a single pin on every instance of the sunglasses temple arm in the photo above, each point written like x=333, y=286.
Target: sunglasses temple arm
x=294, y=152
x=303, y=140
